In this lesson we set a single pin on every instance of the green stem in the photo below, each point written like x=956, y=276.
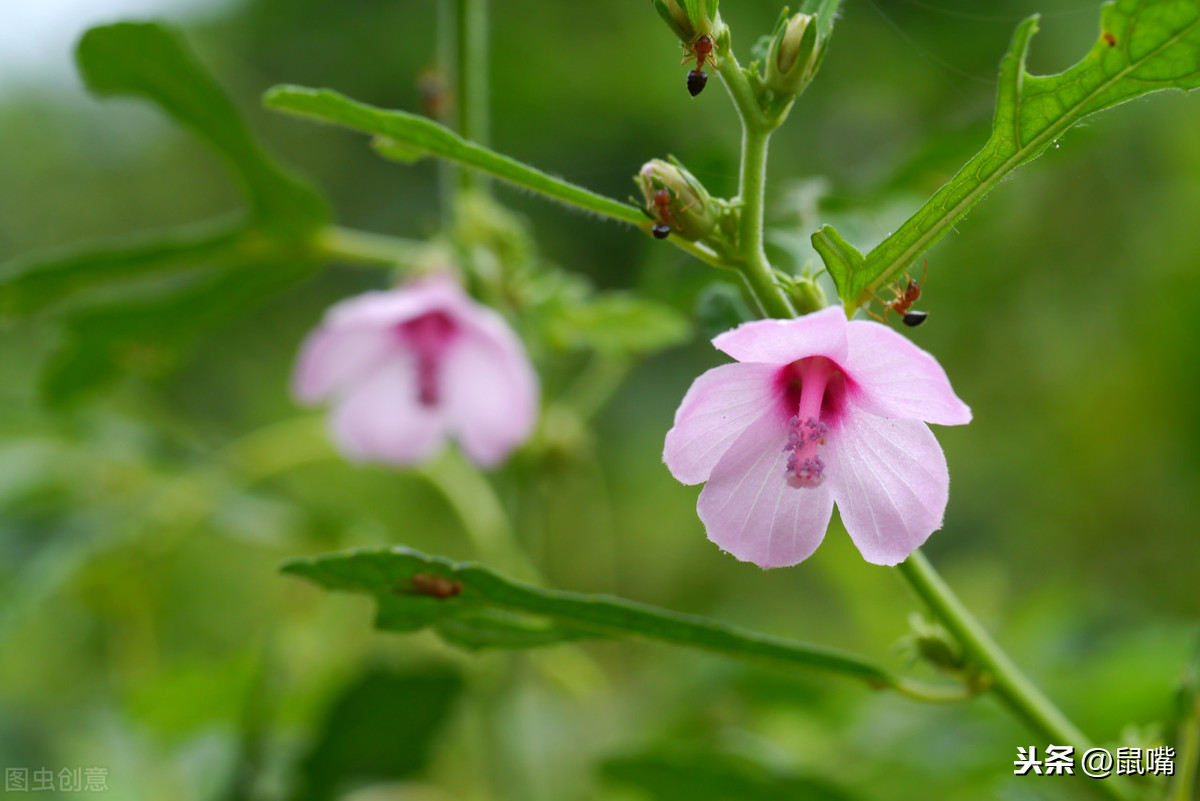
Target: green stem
x=447, y=65
x=471, y=77
x=346, y=244
x=1188, y=746
x=479, y=510
x=752, y=184
x=1013, y=688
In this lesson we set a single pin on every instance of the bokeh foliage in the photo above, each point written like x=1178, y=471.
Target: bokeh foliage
x=144, y=627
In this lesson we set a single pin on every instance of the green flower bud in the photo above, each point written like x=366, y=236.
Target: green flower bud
x=677, y=17
x=676, y=201
x=935, y=645
x=806, y=294
x=688, y=18
x=794, y=55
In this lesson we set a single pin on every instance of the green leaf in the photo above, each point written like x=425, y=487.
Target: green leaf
x=381, y=727
x=145, y=335
x=615, y=324
x=150, y=61
x=844, y=262
x=31, y=284
x=1144, y=46
x=715, y=777
x=478, y=608
x=402, y=135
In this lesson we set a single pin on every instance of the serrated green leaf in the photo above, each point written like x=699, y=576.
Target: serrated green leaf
x=31, y=284
x=422, y=134
x=1144, y=46
x=484, y=609
x=145, y=336
x=153, y=62
x=617, y=324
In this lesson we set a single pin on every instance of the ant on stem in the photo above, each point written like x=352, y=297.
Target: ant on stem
x=702, y=48
x=905, y=296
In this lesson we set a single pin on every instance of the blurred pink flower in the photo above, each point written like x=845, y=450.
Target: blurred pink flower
x=408, y=367
x=816, y=411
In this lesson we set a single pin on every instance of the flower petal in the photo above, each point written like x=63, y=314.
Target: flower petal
x=715, y=411
x=388, y=308
x=490, y=391
x=334, y=358
x=890, y=481
x=898, y=379
x=381, y=419
x=357, y=335
x=781, y=342
x=749, y=508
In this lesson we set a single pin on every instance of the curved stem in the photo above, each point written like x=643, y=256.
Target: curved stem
x=1007, y=680
x=1013, y=688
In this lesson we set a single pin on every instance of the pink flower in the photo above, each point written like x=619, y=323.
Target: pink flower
x=816, y=411
x=408, y=367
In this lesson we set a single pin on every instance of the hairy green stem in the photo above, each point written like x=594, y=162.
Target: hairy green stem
x=752, y=184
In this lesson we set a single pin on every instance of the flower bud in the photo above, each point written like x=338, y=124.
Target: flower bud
x=688, y=18
x=805, y=293
x=675, y=16
x=794, y=55
x=677, y=202
x=935, y=645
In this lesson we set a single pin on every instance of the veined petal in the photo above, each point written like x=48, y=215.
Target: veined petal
x=780, y=342
x=890, y=481
x=715, y=411
x=898, y=379
x=382, y=420
x=749, y=508
x=490, y=394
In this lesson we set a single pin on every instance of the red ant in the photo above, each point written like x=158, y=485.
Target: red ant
x=438, y=587
x=905, y=296
x=662, y=214
x=701, y=49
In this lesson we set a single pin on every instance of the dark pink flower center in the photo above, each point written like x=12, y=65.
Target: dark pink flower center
x=814, y=389
x=428, y=337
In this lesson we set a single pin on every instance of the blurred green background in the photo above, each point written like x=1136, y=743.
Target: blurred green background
x=144, y=628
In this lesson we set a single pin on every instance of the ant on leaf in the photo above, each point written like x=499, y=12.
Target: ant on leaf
x=905, y=296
